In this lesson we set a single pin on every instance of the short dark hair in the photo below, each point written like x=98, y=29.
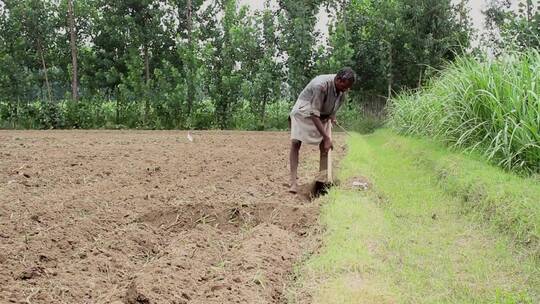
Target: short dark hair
x=347, y=74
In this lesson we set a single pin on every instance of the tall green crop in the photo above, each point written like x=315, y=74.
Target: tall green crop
x=492, y=106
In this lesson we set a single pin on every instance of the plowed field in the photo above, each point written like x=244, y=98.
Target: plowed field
x=150, y=217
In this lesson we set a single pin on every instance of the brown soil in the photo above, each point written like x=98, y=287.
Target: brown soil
x=149, y=217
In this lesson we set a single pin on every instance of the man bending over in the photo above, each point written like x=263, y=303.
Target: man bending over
x=309, y=119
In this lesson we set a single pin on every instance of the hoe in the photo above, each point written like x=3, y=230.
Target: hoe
x=324, y=180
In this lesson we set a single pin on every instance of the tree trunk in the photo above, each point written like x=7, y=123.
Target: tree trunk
x=73, y=43
x=190, y=80
x=189, y=19
x=389, y=72
x=263, y=112
x=222, y=113
x=117, y=116
x=16, y=121
x=146, y=65
x=44, y=66
x=146, y=80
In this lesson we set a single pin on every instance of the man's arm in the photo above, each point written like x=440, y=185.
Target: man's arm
x=320, y=127
x=327, y=141
x=342, y=100
x=316, y=106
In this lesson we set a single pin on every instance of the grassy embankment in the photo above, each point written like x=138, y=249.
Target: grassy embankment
x=435, y=227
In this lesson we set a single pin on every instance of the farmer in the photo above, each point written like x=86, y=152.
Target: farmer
x=309, y=119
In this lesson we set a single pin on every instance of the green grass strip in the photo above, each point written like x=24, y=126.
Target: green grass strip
x=414, y=239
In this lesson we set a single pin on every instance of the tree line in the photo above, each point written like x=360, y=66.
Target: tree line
x=210, y=64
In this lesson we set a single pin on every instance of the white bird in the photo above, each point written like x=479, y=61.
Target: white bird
x=189, y=137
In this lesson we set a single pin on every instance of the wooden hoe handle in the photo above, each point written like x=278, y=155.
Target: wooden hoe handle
x=329, y=159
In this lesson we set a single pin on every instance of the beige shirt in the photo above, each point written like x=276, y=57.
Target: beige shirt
x=319, y=98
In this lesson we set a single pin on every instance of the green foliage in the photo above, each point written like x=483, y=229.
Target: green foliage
x=169, y=96
x=510, y=29
x=367, y=124
x=341, y=49
x=484, y=105
x=159, y=64
x=263, y=85
x=353, y=118
x=390, y=43
x=297, y=22
x=275, y=117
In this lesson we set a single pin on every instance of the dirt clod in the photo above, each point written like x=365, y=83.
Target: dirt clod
x=186, y=296
x=31, y=273
x=133, y=296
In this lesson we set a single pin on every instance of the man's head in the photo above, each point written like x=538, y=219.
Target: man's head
x=345, y=79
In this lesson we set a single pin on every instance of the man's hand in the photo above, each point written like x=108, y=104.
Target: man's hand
x=333, y=120
x=320, y=126
x=327, y=142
